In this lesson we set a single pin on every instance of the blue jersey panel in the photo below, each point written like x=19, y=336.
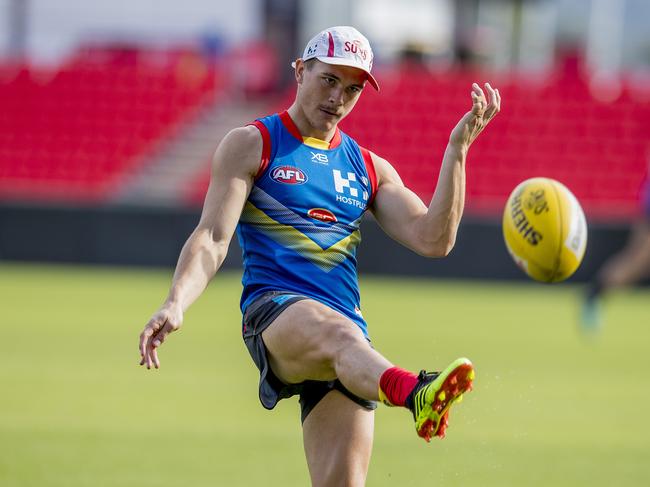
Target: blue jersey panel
x=299, y=229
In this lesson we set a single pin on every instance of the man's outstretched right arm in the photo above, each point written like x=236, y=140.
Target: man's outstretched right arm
x=235, y=163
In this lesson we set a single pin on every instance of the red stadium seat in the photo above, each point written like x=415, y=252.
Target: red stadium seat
x=71, y=134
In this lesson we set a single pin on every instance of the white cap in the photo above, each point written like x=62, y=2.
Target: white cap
x=343, y=46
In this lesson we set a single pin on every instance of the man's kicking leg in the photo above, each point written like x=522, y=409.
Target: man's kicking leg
x=310, y=341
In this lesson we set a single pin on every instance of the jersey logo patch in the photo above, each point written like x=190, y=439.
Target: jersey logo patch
x=345, y=185
x=319, y=157
x=322, y=214
x=341, y=182
x=288, y=175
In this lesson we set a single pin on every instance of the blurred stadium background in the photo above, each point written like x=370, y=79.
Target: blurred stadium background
x=109, y=115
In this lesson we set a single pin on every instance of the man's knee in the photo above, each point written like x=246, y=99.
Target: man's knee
x=336, y=337
x=343, y=336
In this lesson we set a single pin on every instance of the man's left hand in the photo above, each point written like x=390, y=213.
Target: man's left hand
x=474, y=121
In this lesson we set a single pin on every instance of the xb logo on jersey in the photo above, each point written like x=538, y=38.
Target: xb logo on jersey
x=319, y=158
x=344, y=186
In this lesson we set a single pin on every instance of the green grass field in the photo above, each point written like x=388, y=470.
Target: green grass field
x=549, y=408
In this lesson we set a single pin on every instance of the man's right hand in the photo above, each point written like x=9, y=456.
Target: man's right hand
x=166, y=320
x=235, y=164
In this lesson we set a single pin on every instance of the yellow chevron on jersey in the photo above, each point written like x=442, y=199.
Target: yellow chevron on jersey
x=290, y=237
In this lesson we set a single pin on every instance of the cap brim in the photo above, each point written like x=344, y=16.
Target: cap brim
x=349, y=62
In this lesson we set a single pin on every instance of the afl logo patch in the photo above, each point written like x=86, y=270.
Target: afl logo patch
x=321, y=214
x=288, y=175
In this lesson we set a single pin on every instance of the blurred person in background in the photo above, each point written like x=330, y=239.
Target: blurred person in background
x=296, y=188
x=627, y=267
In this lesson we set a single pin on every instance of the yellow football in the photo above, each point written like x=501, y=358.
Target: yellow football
x=545, y=229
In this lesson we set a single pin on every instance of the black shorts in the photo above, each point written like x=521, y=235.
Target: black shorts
x=257, y=317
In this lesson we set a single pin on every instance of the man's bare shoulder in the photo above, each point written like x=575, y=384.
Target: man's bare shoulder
x=241, y=147
x=247, y=136
x=385, y=171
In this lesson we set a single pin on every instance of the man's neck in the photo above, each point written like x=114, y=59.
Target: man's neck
x=305, y=128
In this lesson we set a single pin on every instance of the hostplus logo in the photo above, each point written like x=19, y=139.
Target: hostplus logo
x=346, y=187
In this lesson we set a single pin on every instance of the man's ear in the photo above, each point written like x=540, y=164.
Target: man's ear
x=299, y=70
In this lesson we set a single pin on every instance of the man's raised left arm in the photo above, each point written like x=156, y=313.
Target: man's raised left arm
x=402, y=214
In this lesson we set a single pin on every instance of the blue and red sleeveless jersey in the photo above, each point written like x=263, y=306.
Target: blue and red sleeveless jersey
x=299, y=229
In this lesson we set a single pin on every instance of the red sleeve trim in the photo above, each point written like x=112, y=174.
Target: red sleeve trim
x=290, y=126
x=372, y=174
x=336, y=140
x=266, y=147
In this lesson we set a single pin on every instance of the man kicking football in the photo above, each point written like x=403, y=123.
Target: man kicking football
x=296, y=188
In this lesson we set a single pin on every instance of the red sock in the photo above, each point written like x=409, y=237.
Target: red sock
x=397, y=384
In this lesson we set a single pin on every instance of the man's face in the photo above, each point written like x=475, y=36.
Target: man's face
x=327, y=92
